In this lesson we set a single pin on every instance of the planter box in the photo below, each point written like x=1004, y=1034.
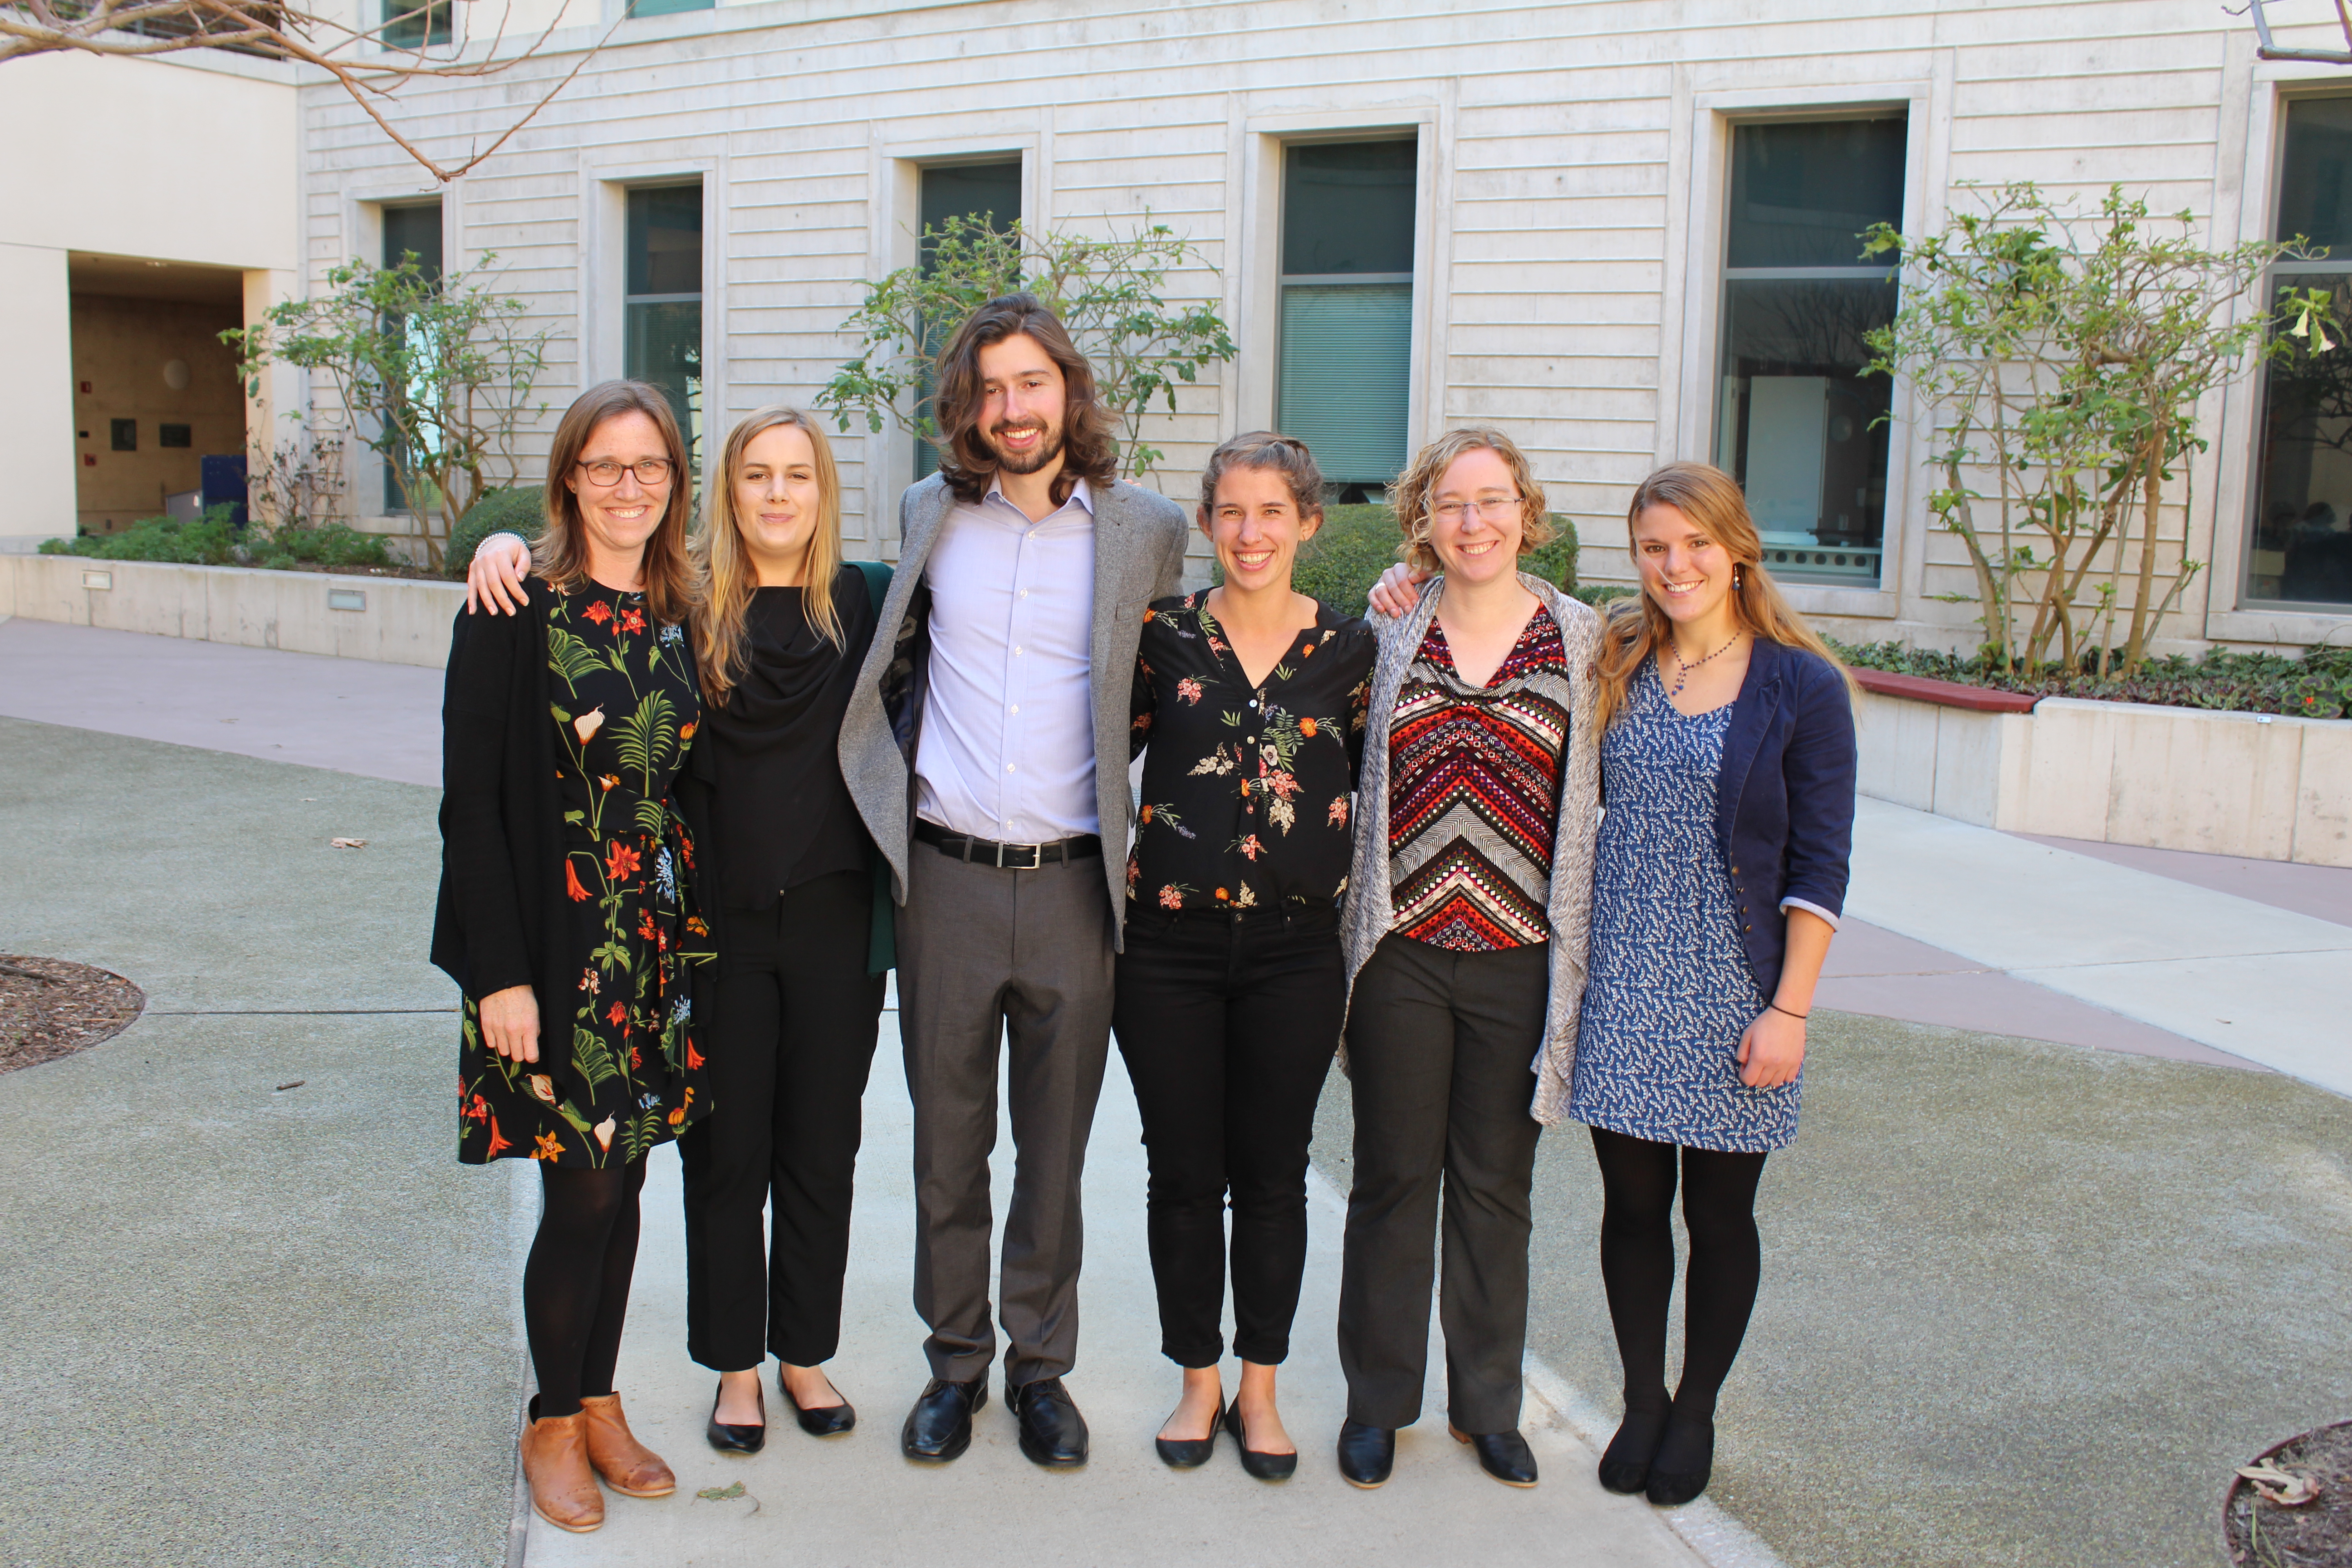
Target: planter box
x=2265, y=786
x=392, y=620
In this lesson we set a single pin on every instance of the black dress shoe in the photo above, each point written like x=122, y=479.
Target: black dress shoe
x=732, y=1439
x=1625, y=1468
x=1502, y=1455
x=831, y=1421
x=1052, y=1432
x=940, y=1425
x=1685, y=1459
x=1367, y=1454
x=1260, y=1466
x=1187, y=1453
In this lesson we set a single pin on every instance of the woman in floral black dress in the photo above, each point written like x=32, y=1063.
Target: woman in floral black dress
x=1249, y=710
x=566, y=914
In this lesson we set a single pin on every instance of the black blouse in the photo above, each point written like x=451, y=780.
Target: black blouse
x=1245, y=790
x=782, y=813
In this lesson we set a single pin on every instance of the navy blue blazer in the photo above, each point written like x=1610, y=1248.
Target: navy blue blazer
x=1784, y=798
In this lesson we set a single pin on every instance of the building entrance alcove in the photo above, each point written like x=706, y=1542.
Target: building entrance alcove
x=155, y=391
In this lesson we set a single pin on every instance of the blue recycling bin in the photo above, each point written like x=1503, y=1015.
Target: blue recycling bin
x=224, y=485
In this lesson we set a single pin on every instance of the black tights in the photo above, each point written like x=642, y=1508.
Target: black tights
x=575, y=1288
x=1637, y=1265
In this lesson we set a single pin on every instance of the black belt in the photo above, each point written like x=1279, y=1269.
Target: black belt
x=1007, y=856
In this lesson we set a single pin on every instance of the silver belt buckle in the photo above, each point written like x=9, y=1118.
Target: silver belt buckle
x=1036, y=856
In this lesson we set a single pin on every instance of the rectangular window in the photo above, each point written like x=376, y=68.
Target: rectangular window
x=664, y=8
x=416, y=24
x=1346, y=359
x=987, y=191
x=1797, y=422
x=662, y=304
x=411, y=233
x=2300, y=548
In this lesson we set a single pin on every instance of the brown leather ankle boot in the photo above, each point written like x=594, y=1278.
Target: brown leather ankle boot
x=627, y=1466
x=555, y=1463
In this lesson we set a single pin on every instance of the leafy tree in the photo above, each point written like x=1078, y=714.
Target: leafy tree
x=1109, y=292
x=435, y=373
x=2061, y=361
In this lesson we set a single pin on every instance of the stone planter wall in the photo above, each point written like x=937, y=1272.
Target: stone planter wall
x=2264, y=786
x=394, y=620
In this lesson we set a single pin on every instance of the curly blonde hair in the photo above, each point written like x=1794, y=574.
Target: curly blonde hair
x=1412, y=491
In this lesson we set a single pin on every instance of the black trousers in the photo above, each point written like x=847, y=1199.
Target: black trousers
x=790, y=1051
x=1228, y=1025
x=1441, y=1048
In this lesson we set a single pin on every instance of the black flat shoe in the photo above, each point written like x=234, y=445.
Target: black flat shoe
x=940, y=1425
x=831, y=1421
x=1367, y=1454
x=1685, y=1460
x=731, y=1439
x=1260, y=1466
x=1502, y=1455
x=1052, y=1432
x=1625, y=1468
x=1187, y=1453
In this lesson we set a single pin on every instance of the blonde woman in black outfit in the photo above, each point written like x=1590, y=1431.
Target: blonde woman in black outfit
x=1249, y=712
x=798, y=1000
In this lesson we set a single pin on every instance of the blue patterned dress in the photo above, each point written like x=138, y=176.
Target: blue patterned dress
x=1670, y=992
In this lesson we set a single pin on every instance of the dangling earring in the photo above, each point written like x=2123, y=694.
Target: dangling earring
x=1735, y=579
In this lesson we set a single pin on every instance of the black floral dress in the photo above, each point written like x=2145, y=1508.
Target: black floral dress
x=1245, y=789
x=623, y=1073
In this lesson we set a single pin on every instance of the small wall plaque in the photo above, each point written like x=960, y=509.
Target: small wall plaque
x=347, y=598
x=98, y=579
x=126, y=435
x=173, y=436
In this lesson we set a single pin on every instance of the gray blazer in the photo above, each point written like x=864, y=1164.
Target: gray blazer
x=1371, y=909
x=1138, y=557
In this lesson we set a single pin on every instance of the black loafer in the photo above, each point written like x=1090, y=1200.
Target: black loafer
x=1685, y=1459
x=1260, y=1466
x=1367, y=1454
x=1502, y=1455
x=1052, y=1432
x=731, y=1439
x=940, y=1425
x=1187, y=1453
x=830, y=1422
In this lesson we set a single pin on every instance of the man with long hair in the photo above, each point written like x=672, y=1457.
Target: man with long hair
x=1000, y=674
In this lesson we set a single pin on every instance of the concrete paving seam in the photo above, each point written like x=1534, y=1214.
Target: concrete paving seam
x=522, y=1224
x=1714, y=1536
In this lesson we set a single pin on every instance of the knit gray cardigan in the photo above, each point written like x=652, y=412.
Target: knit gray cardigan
x=1371, y=909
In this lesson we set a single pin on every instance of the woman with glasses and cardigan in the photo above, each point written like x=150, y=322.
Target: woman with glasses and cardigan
x=1465, y=944
x=804, y=938
x=1728, y=761
x=568, y=915
x=1248, y=712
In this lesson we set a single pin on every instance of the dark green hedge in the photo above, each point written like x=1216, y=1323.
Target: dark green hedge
x=520, y=509
x=213, y=541
x=1356, y=544
x=2317, y=685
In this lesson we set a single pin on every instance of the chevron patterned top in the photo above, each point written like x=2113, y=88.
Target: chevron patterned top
x=1475, y=793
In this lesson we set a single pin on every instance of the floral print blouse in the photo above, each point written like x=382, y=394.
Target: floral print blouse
x=1245, y=789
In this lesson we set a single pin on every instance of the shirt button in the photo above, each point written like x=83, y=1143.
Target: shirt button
x=1008, y=767
x=1025, y=593
x=1016, y=652
x=1016, y=707
x=1253, y=701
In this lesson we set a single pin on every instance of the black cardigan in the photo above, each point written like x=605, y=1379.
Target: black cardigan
x=502, y=816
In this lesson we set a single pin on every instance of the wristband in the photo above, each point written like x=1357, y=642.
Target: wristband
x=1776, y=1007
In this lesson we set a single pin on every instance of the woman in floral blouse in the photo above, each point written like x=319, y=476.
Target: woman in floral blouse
x=567, y=916
x=1249, y=712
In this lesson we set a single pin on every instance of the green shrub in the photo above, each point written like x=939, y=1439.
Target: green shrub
x=2317, y=685
x=207, y=541
x=328, y=544
x=1356, y=544
x=1599, y=593
x=520, y=508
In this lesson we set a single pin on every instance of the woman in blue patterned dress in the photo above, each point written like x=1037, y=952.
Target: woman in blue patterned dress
x=1728, y=774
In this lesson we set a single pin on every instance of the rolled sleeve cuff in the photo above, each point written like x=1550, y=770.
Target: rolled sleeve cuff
x=1812, y=909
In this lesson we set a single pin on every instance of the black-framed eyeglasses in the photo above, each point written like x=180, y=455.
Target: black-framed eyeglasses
x=650, y=472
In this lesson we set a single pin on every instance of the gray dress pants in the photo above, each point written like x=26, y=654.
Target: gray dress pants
x=1441, y=1048
x=987, y=954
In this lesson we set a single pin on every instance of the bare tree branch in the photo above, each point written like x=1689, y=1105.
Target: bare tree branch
x=2270, y=51
x=133, y=28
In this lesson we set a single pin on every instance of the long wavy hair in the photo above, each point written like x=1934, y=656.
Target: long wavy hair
x=729, y=574
x=1410, y=493
x=560, y=553
x=1090, y=449
x=1636, y=627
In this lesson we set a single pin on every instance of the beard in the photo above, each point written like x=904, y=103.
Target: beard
x=1048, y=447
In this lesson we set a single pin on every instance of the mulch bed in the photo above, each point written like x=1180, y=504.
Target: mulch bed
x=2318, y=1534
x=49, y=1008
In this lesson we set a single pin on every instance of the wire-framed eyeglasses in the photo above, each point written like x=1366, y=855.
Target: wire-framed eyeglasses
x=652, y=472
x=1494, y=508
